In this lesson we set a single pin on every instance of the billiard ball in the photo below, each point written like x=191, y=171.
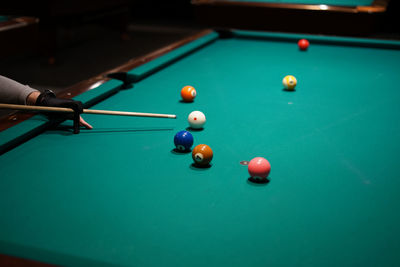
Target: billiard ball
x=202, y=155
x=303, y=44
x=289, y=82
x=183, y=140
x=196, y=119
x=188, y=93
x=259, y=168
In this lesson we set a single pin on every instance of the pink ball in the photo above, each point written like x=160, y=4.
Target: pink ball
x=259, y=168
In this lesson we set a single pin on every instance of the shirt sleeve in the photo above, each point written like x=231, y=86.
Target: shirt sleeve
x=12, y=92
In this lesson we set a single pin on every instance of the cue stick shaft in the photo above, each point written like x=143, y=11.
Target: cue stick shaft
x=87, y=111
x=126, y=113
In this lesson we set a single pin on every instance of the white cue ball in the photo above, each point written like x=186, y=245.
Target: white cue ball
x=197, y=119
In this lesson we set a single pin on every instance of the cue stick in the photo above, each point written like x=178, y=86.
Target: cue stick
x=87, y=111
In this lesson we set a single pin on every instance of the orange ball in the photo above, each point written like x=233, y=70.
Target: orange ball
x=188, y=93
x=202, y=155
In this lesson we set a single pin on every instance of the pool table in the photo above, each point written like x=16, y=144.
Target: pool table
x=121, y=195
x=334, y=17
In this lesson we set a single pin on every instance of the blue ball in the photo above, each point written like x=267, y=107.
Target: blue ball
x=183, y=140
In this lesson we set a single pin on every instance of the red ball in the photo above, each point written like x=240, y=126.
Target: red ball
x=303, y=44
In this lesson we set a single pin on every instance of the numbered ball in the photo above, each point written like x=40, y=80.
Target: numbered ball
x=289, y=82
x=188, y=93
x=259, y=168
x=197, y=119
x=183, y=140
x=202, y=155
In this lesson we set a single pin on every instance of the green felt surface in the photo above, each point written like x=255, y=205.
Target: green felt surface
x=117, y=195
x=316, y=2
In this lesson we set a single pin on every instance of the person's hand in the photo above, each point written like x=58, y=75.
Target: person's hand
x=83, y=123
x=49, y=99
